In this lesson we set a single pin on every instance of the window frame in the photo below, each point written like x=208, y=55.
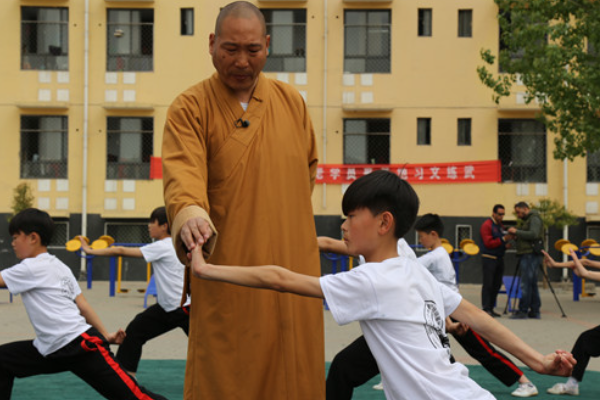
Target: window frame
x=140, y=60
x=427, y=138
x=114, y=168
x=466, y=136
x=187, y=21
x=512, y=167
x=371, y=60
x=49, y=168
x=465, y=31
x=298, y=49
x=425, y=22
x=371, y=141
x=44, y=61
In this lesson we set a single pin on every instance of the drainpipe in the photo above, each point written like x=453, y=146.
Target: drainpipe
x=84, y=167
x=324, y=111
x=565, y=273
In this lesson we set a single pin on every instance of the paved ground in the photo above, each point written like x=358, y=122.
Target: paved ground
x=546, y=335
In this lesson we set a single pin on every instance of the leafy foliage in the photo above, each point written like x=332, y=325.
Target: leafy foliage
x=554, y=214
x=22, y=198
x=553, y=46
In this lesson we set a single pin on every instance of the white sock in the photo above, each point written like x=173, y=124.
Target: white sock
x=572, y=382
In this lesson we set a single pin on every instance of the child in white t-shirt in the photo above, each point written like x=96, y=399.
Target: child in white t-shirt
x=430, y=229
x=69, y=334
x=168, y=313
x=400, y=306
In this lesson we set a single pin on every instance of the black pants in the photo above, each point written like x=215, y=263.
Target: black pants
x=88, y=356
x=152, y=322
x=489, y=357
x=355, y=365
x=586, y=346
x=350, y=368
x=493, y=269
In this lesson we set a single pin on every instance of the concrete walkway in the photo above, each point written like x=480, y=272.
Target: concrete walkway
x=550, y=333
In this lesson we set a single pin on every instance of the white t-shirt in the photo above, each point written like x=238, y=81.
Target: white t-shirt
x=438, y=262
x=404, y=250
x=48, y=289
x=168, y=273
x=401, y=309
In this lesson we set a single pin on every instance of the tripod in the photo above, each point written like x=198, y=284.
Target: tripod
x=517, y=272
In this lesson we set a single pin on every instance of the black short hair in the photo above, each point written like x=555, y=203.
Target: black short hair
x=160, y=216
x=382, y=191
x=521, y=204
x=497, y=207
x=33, y=220
x=430, y=223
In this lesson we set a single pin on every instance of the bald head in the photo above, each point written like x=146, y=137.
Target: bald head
x=240, y=9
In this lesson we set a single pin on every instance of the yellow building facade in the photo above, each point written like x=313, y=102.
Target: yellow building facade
x=86, y=86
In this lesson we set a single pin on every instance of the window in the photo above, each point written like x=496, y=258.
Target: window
x=130, y=40
x=287, y=51
x=187, y=21
x=60, y=236
x=129, y=147
x=366, y=141
x=128, y=232
x=522, y=150
x=367, y=41
x=515, y=55
x=424, y=131
x=593, y=232
x=44, y=148
x=593, y=166
x=464, y=131
x=465, y=23
x=462, y=232
x=45, y=38
x=425, y=16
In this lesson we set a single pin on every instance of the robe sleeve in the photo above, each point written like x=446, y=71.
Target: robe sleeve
x=185, y=172
x=313, y=158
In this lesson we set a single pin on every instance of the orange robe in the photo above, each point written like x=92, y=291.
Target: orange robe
x=254, y=185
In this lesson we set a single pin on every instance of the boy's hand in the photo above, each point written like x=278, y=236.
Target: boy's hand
x=84, y=245
x=456, y=328
x=116, y=337
x=549, y=261
x=578, y=267
x=198, y=263
x=195, y=232
x=559, y=363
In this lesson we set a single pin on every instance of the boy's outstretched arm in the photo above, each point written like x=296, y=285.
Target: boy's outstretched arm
x=580, y=271
x=263, y=277
x=331, y=245
x=111, y=251
x=92, y=318
x=559, y=363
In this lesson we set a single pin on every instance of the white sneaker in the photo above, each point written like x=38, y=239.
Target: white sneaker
x=525, y=390
x=379, y=386
x=562, y=388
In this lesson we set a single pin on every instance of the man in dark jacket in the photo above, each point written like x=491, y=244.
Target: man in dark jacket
x=493, y=245
x=530, y=262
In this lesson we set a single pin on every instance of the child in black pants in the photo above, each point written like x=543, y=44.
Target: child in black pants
x=69, y=334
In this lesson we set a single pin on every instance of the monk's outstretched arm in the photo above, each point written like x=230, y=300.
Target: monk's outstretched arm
x=271, y=277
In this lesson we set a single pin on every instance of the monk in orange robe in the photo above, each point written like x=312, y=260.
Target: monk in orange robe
x=240, y=162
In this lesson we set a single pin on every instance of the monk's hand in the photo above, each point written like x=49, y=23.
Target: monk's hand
x=559, y=363
x=199, y=265
x=195, y=232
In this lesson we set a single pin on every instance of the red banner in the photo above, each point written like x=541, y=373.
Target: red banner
x=155, y=167
x=458, y=172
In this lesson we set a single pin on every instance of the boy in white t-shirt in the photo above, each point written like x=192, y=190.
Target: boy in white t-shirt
x=400, y=306
x=69, y=334
x=167, y=314
x=430, y=229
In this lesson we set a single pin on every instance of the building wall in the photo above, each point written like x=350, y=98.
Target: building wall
x=433, y=77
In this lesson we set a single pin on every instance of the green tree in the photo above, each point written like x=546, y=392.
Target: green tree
x=22, y=198
x=553, y=46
